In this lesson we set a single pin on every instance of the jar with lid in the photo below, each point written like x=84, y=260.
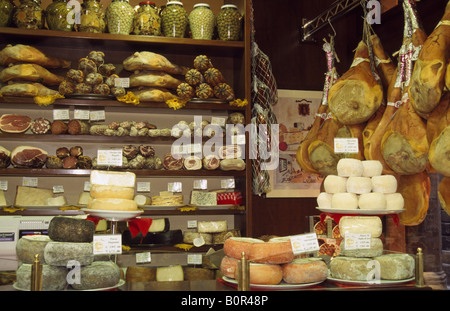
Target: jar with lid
x=202, y=21
x=174, y=20
x=147, y=20
x=119, y=17
x=6, y=12
x=229, y=23
x=29, y=15
x=92, y=18
x=56, y=16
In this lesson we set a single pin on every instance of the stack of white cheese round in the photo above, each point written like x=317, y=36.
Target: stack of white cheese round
x=68, y=246
x=271, y=262
x=360, y=185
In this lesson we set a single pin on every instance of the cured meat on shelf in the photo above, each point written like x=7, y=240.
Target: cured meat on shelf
x=20, y=53
x=154, y=79
x=14, y=123
x=30, y=72
x=26, y=90
x=28, y=157
x=153, y=94
x=151, y=61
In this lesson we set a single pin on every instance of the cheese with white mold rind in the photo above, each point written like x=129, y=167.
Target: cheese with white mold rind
x=324, y=200
x=394, y=201
x=30, y=245
x=170, y=273
x=99, y=274
x=112, y=178
x=335, y=184
x=212, y=226
x=351, y=268
x=57, y=201
x=372, y=201
x=344, y=201
x=142, y=200
x=84, y=198
x=384, y=184
x=360, y=225
x=359, y=185
x=60, y=253
x=349, y=167
x=396, y=266
x=190, y=236
x=372, y=168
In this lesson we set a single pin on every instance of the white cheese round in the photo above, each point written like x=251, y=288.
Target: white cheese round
x=335, y=184
x=344, y=200
x=394, y=201
x=324, y=200
x=384, y=184
x=349, y=167
x=359, y=185
x=372, y=168
x=372, y=201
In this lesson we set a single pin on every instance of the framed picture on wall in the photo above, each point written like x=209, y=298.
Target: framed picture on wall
x=295, y=112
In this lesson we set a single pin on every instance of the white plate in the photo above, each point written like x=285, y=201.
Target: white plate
x=380, y=283
x=223, y=206
x=281, y=286
x=360, y=211
x=121, y=282
x=162, y=207
x=113, y=215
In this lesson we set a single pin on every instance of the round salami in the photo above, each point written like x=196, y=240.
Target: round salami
x=40, y=126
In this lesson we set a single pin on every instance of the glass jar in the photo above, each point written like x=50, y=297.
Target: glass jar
x=6, y=12
x=229, y=23
x=202, y=21
x=119, y=17
x=174, y=20
x=56, y=16
x=147, y=20
x=29, y=15
x=92, y=18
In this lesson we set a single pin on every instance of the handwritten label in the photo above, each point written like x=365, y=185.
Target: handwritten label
x=109, y=157
x=357, y=241
x=304, y=243
x=346, y=145
x=107, y=244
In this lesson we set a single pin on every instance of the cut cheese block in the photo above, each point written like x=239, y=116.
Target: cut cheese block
x=347, y=249
x=372, y=168
x=167, y=199
x=30, y=245
x=99, y=274
x=351, y=268
x=195, y=274
x=56, y=201
x=60, y=253
x=394, y=201
x=2, y=198
x=349, y=167
x=159, y=225
x=29, y=196
x=372, y=201
x=203, y=198
x=359, y=184
x=212, y=226
x=113, y=192
x=324, y=200
x=111, y=178
x=69, y=229
x=142, y=200
x=53, y=278
x=360, y=225
x=335, y=184
x=140, y=274
x=84, y=198
x=234, y=247
x=344, y=200
x=219, y=238
x=396, y=266
x=109, y=204
x=384, y=184
x=170, y=273
x=305, y=270
x=275, y=251
x=260, y=274
x=189, y=237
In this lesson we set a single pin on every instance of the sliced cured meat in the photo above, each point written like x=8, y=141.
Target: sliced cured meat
x=14, y=123
x=5, y=157
x=28, y=157
x=192, y=163
x=20, y=53
x=172, y=163
x=40, y=126
x=211, y=162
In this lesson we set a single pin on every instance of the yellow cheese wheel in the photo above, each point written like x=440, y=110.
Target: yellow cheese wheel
x=234, y=246
x=260, y=274
x=109, y=204
x=113, y=192
x=275, y=251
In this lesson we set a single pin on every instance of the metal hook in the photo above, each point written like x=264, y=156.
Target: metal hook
x=331, y=25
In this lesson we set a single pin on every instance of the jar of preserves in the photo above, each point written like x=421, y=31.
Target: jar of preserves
x=56, y=16
x=92, y=18
x=147, y=20
x=229, y=23
x=29, y=15
x=202, y=21
x=174, y=20
x=6, y=12
x=119, y=17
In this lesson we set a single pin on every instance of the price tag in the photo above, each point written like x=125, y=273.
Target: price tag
x=122, y=82
x=87, y=186
x=346, y=145
x=201, y=184
x=304, y=243
x=175, y=187
x=357, y=241
x=194, y=259
x=97, y=115
x=109, y=157
x=61, y=114
x=192, y=224
x=58, y=189
x=30, y=182
x=227, y=183
x=107, y=244
x=3, y=185
x=142, y=186
x=81, y=114
x=238, y=139
x=143, y=257
x=218, y=121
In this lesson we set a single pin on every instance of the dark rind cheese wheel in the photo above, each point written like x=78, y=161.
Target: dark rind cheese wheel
x=99, y=274
x=66, y=229
x=53, y=278
x=170, y=237
x=30, y=245
x=195, y=274
x=140, y=274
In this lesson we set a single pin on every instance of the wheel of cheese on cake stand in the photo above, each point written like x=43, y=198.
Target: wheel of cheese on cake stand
x=112, y=196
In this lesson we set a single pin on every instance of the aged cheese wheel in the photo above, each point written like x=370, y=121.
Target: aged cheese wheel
x=169, y=237
x=349, y=167
x=235, y=246
x=53, y=277
x=142, y=200
x=113, y=192
x=372, y=201
x=99, y=274
x=212, y=226
x=305, y=270
x=262, y=274
x=111, y=178
x=275, y=251
x=394, y=201
x=372, y=168
x=375, y=249
x=170, y=273
x=351, y=268
x=30, y=245
x=68, y=229
x=195, y=274
x=113, y=204
x=384, y=184
x=360, y=225
x=335, y=184
x=344, y=200
x=396, y=266
x=220, y=237
x=60, y=253
x=140, y=274
x=190, y=236
x=359, y=184
x=324, y=200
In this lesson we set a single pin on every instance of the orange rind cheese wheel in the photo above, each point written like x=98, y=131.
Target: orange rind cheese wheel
x=234, y=247
x=261, y=274
x=305, y=270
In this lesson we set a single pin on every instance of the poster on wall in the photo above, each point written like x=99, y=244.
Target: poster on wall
x=295, y=112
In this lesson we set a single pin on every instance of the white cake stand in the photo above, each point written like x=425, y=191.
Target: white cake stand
x=113, y=216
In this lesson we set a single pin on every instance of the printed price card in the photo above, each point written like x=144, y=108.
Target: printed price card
x=304, y=243
x=357, y=241
x=3, y=185
x=109, y=157
x=346, y=145
x=107, y=244
x=30, y=182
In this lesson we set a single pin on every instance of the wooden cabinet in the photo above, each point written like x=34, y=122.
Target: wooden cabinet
x=231, y=57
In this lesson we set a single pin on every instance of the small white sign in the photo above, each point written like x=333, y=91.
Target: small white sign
x=107, y=244
x=109, y=157
x=191, y=224
x=97, y=115
x=58, y=189
x=357, y=241
x=175, y=187
x=346, y=145
x=61, y=114
x=122, y=82
x=3, y=185
x=194, y=259
x=200, y=184
x=30, y=182
x=87, y=186
x=304, y=243
x=143, y=257
x=81, y=114
x=143, y=186
x=227, y=183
